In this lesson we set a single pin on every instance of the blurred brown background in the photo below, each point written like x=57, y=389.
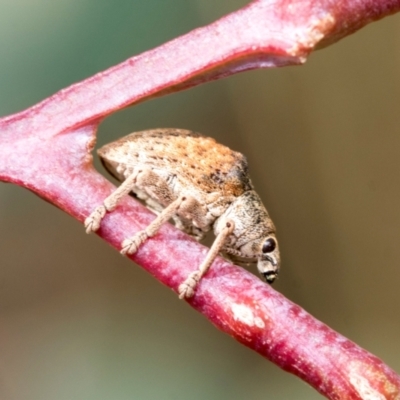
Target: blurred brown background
x=78, y=321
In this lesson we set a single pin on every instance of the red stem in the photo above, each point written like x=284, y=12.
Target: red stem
x=47, y=149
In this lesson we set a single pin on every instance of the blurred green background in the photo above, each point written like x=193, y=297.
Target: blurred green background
x=78, y=321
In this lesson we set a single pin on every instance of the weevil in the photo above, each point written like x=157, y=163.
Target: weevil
x=199, y=184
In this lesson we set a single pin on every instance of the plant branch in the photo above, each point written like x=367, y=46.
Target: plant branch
x=47, y=149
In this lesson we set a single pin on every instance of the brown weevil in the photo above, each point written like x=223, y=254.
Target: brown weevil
x=200, y=184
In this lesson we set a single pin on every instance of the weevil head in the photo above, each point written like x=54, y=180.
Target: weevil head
x=266, y=251
x=253, y=238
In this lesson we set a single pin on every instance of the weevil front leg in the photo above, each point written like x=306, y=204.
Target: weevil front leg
x=187, y=288
x=92, y=222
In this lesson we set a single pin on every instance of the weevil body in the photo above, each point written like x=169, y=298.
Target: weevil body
x=199, y=183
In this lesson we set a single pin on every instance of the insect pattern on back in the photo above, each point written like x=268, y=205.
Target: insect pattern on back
x=199, y=183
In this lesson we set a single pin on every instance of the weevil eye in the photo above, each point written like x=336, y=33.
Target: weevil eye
x=269, y=246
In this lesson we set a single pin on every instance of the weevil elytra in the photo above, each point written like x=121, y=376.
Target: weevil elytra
x=200, y=184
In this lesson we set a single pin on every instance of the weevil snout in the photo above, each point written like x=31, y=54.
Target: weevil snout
x=269, y=260
x=270, y=276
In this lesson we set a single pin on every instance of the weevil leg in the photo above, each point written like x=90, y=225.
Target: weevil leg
x=189, y=228
x=187, y=288
x=92, y=222
x=130, y=245
x=145, y=179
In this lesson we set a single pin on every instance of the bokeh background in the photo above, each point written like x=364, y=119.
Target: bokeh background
x=78, y=321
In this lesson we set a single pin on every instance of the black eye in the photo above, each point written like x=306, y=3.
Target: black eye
x=269, y=245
